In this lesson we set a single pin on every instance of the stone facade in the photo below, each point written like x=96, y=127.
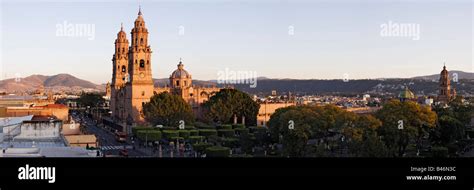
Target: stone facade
x=132, y=84
x=181, y=83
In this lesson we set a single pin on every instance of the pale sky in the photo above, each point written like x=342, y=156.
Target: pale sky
x=330, y=38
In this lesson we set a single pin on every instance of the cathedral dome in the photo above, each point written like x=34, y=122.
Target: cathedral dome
x=406, y=94
x=180, y=72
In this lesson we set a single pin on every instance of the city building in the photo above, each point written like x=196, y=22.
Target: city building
x=60, y=111
x=39, y=136
x=13, y=100
x=84, y=141
x=267, y=109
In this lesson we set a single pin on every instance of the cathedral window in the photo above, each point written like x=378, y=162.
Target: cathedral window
x=142, y=64
x=141, y=41
x=185, y=83
x=177, y=83
x=143, y=93
x=124, y=69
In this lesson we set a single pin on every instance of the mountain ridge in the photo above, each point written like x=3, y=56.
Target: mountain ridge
x=68, y=82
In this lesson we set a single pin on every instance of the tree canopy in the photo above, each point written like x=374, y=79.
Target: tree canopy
x=415, y=119
x=91, y=99
x=168, y=109
x=222, y=107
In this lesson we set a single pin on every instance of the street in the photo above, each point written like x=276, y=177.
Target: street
x=108, y=144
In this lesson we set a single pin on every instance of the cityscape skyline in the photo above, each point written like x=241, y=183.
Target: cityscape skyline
x=259, y=41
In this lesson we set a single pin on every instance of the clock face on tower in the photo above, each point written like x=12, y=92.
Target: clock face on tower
x=142, y=75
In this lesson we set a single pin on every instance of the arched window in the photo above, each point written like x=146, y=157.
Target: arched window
x=141, y=40
x=142, y=63
x=177, y=83
x=185, y=83
x=124, y=69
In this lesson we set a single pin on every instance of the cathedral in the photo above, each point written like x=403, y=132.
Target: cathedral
x=446, y=92
x=132, y=84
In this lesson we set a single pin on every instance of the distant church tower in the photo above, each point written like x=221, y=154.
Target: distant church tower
x=445, y=93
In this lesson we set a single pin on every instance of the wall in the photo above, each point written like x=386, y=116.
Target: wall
x=267, y=109
x=40, y=129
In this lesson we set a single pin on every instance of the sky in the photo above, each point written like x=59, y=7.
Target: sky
x=298, y=39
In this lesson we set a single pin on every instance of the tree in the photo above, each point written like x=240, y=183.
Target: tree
x=416, y=120
x=295, y=141
x=168, y=109
x=90, y=99
x=449, y=130
x=309, y=122
x=222, y=107
x=451, y=125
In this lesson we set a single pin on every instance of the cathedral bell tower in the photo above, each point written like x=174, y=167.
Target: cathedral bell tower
x=140, y=88
x=119, y=73
x=120, y=60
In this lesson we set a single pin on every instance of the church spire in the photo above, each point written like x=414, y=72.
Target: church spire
x=139, y=10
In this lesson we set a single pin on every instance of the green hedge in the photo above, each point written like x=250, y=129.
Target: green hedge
x=207, y=132
x=226, y=132
x=238, y=126
x=193, y=133
x=241, y=131
x=241, y=156
x=149, y=135
x=217, y=151
x=195, y=139
x=255, y=129
x=184, y=133
x=169, y=128
x=168, y=134
x=189, y=127
x=225, y=126
x=230, y=142
x=201, y=125
x=252, y=129
x=136, y=129
x=176, y=138
x=201, y=147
